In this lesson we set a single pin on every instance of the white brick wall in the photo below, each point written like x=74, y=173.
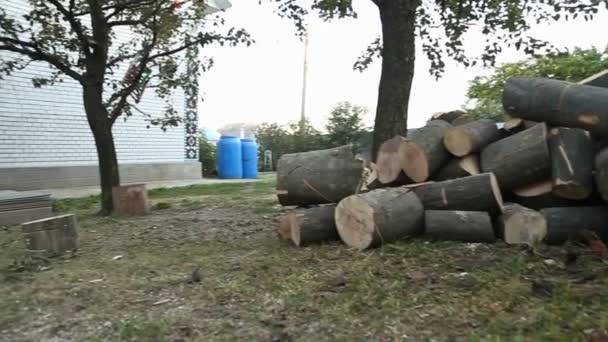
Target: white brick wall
x=47, y=126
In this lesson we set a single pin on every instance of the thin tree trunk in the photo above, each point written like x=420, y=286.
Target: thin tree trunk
x=101, y=126
x=398, y=56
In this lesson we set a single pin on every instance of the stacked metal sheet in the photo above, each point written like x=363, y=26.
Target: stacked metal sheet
x=22, y=206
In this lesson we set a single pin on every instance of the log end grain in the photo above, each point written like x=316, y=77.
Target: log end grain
x=356, y=214
x=458, y=142
x=414, y=161
x=388, y=167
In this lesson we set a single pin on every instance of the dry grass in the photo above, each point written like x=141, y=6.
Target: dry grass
x=254, y=287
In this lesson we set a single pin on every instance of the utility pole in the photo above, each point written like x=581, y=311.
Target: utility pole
x=304, y=78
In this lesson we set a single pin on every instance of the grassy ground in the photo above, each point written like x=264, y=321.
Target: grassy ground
x=256, y=288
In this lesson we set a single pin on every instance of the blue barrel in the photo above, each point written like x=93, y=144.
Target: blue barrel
x=250, y=158
x=229, y=158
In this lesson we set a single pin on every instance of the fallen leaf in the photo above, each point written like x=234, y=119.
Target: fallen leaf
x=96, y=280
x=550, y=262
x=118, y=257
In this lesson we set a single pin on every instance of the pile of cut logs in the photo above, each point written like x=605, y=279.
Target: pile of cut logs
x=540, y=176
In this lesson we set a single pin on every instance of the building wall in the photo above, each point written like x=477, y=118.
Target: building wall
x=47, y=127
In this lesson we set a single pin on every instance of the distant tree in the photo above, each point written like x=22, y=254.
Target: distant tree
x=78, y=39
x=345, y=124
x=296, y=137
x=234, y=129
x=485, y=92
x=440, y=26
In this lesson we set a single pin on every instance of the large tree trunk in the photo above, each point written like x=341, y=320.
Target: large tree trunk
x=317, y=177
x=313, y=225
x=380, y=216
x=520, y=159
x=101, y=126
x=571, y=162
x=398, y=19
x=466, y=226
x=475, y=193
x=558, y=103
x=565, y=223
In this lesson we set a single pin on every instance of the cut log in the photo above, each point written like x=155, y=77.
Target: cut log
x=550, y=200
x=474, y=193
x=558, y=103
x=458, y=168
x=51, y=237
x=388, y=166
x=521, y=225
x=448, y=116
x=316, y=177
x=423, y=153
x=514, y=125
x=601, y=173
x=472, y=137
x=462, y=120
x=520, y=159
x=571, y=162
x=565, y=223
x=466, y=226
x=284, y=227
x=380, y=216
x=534, y=189
x=598, y=80
x=313, y=225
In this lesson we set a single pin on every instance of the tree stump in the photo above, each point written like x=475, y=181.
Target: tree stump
x=388, y=166
x=380, y=216
x=565, y=223
x=520, y=159
x=558, y=103
x=520, y=225
x=466, y=226
x=130, y=200
x=459, y=168
x=571, y=162
x=51, y=237
x=472, y=137
x=473, y=193
x=317, y=177
x=313, y=225
x=423, y=153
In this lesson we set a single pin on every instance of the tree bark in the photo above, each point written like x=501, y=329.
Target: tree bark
x=380, y=216
x=520, y=159
x=459, y=168
x=101, y=127
x=474, y=193
x=313, y=225
x=601, y=173
x=558, y=103
x=472, y=137
x=565, y=223
x=398, y=18
x=317, y=177
x=571, y=162
x=423, y=152
x=521, y=225
x=466, y=226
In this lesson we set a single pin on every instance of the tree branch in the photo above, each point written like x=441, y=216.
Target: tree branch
x=34, y=52
x=75, y=24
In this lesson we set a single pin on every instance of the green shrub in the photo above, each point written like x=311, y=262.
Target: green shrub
x=206, y=156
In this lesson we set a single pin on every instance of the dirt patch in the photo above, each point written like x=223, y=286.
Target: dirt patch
x=132, y=280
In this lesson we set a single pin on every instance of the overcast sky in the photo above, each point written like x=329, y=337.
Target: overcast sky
x=262, y=83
